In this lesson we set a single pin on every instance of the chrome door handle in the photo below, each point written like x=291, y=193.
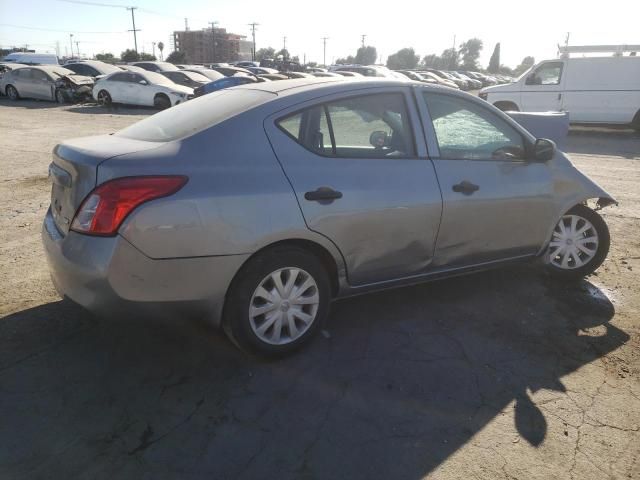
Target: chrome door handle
x=465, y=187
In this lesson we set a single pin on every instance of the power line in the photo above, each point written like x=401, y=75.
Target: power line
x=96, y=4
x=51, y=29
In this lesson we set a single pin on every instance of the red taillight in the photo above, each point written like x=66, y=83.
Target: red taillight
x=106, y=207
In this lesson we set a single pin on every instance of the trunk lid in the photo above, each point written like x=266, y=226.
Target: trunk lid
x=74, y=171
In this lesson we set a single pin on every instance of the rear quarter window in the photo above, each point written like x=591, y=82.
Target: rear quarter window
x=196, y=115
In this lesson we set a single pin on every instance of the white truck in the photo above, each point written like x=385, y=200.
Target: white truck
x=593, y=90
x=30, y=58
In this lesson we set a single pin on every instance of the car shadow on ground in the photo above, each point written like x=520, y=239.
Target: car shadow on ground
x=399, y=381
x=28, y=103
x=597, y=141
x=114, y=109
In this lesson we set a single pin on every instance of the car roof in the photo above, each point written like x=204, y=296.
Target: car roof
x=299, y=85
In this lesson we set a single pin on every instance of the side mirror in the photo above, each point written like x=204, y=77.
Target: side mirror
x=544, y=150
x=143, y=82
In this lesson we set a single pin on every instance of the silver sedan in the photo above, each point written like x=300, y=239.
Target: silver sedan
x=260, y=204
x=38, y=82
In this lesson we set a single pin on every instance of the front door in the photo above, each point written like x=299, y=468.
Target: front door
x=360, y=173
x=542, y=88
x=496, y=204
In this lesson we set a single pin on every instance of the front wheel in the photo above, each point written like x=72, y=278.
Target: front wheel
x=579, y=243
x=277, y=302
x=161, y=102
x=104, y=98
x=12, y=93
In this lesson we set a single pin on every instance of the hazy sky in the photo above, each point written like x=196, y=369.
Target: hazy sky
x=523, y=28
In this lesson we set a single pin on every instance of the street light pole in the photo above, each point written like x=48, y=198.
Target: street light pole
x=71, y=42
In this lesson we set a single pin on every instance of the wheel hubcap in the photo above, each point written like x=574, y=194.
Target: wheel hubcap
x=284, y=306
x=574, y=243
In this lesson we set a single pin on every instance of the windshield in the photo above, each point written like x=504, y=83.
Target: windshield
x=195, y=115
x=211, y=74
x=157, y=79
x=196, y=76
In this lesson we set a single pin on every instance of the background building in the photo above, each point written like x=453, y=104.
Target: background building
x=199, y=48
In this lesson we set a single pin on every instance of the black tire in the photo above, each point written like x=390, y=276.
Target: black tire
x=161, y=102
x=602, y=249
x=237, y=323
x=12, y=92
x=104, y=98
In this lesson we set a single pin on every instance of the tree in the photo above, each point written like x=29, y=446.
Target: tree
x=348, y=60
x=494, y=61
x=130, y=55
x=366, y=55
x=176, y=57
x=284, y=52
x=147, y=57
x=470, y=52
x=526, y=64
x=405, y=58
x=161, y=48
x=449, y=59
x=431, y=61
x=106, y=57
x=263, y=53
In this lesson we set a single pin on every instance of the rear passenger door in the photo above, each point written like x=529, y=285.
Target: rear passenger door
x=360, y=173
x=42, y=85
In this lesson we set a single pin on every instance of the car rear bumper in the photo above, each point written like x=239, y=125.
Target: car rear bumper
x=105, y=274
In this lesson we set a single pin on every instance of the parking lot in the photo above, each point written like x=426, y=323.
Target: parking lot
x=505, y=374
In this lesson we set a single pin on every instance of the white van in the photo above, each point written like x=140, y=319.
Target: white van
x=591, y=89
x=30, y=58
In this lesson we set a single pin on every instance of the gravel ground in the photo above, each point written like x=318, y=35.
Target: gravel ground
x=499, y=375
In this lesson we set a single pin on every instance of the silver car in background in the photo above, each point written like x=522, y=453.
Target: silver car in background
x=260, y=204
x=39, y=82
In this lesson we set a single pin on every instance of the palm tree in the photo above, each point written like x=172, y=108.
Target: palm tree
x=161, y=48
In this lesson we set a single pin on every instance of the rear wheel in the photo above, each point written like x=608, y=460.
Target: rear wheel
x=277, y=302
x=104, y=98
x=12, y=93
x=161, y=102
x=579, y=243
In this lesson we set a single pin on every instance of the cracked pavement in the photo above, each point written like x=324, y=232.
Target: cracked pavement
x=505, y=374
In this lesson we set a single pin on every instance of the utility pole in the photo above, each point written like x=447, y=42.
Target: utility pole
x=363, y=37
x=78, y=47
x=153, y=46
x=213, y=40
x=253, y=36
x=324, y=54
x=186, y=24
x=71, y=43
x=284, y=43
x=134, y=30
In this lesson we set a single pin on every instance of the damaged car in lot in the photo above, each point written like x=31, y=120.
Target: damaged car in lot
x=46, y=82
x=259, y=204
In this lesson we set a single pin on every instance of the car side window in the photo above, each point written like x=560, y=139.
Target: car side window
x=24, y=73
x=549, y=73
x=135, y=78
x=39, y=76
x=366, y=126
x=119, y=77
x=467, y=131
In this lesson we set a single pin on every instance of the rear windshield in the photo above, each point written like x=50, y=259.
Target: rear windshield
x=195, y=115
